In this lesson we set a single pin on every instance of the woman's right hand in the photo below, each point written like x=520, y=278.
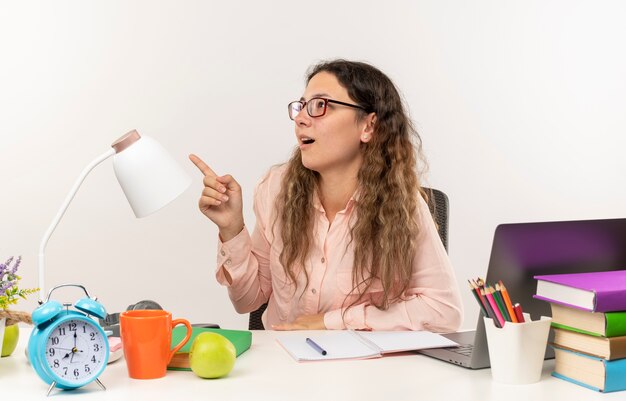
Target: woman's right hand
x=221, y=200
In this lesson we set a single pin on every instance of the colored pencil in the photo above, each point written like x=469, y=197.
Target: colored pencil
x=476, y=294
x=480, y=283
x=498, y=296
x=481, y=296
x=494, y=305
x=518, y=312
x=495, y=302
x=490, y=313
x=507, y=301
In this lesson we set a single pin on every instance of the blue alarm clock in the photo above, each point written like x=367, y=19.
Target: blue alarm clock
x=68, y=348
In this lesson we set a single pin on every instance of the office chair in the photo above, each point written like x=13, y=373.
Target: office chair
x=439, y=206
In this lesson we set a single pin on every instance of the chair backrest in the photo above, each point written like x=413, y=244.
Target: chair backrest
x=439, y=206
x=255, y=322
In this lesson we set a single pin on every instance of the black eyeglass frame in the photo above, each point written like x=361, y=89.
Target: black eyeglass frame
x=304, y=104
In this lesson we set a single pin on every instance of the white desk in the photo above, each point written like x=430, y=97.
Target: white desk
x=267, y=372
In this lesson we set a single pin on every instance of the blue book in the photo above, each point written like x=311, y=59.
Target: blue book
x=589, y=371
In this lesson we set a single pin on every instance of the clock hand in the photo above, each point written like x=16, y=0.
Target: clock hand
x=73, y=349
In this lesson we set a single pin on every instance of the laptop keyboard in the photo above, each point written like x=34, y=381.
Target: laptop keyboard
x=464, y=349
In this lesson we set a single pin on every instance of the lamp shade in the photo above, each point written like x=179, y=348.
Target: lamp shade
x=148, y=175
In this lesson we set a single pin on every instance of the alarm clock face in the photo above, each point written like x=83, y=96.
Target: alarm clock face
x=76, y=351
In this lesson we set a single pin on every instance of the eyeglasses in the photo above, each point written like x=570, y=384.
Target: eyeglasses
x=315, y=107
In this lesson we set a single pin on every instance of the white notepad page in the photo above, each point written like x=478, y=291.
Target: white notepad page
x=344, y=344
x=398, y=341
x=338, y=345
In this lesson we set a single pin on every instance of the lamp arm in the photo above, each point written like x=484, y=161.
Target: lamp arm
x=59, y=216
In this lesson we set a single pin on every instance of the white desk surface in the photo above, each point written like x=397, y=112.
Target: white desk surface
x=267, y=372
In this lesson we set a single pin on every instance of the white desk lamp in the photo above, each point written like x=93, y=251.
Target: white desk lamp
x=148, y=175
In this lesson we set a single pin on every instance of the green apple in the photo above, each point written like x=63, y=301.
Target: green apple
x=212, y=355
x=11, y=335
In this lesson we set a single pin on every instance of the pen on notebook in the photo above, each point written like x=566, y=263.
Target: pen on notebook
x=315, y=346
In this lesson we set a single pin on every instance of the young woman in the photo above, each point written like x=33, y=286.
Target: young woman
x=343, y=238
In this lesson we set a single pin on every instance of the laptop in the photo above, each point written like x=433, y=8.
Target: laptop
x=521, y=251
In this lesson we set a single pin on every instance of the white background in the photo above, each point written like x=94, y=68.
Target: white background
x=520, y=105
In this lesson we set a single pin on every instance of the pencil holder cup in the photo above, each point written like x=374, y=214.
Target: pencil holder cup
x=516, y=351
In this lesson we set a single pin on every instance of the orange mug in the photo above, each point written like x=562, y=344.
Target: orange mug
x=147, y=340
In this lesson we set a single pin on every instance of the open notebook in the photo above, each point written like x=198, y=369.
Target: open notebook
x=360, y=344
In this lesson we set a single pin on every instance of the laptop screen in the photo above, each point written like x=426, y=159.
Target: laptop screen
x=524, y=250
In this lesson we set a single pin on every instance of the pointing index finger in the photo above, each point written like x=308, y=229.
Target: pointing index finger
x=202, y=166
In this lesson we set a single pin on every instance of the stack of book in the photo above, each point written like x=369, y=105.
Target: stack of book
x=589, y=323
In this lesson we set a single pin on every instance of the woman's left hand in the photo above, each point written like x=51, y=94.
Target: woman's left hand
x=304, y=322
